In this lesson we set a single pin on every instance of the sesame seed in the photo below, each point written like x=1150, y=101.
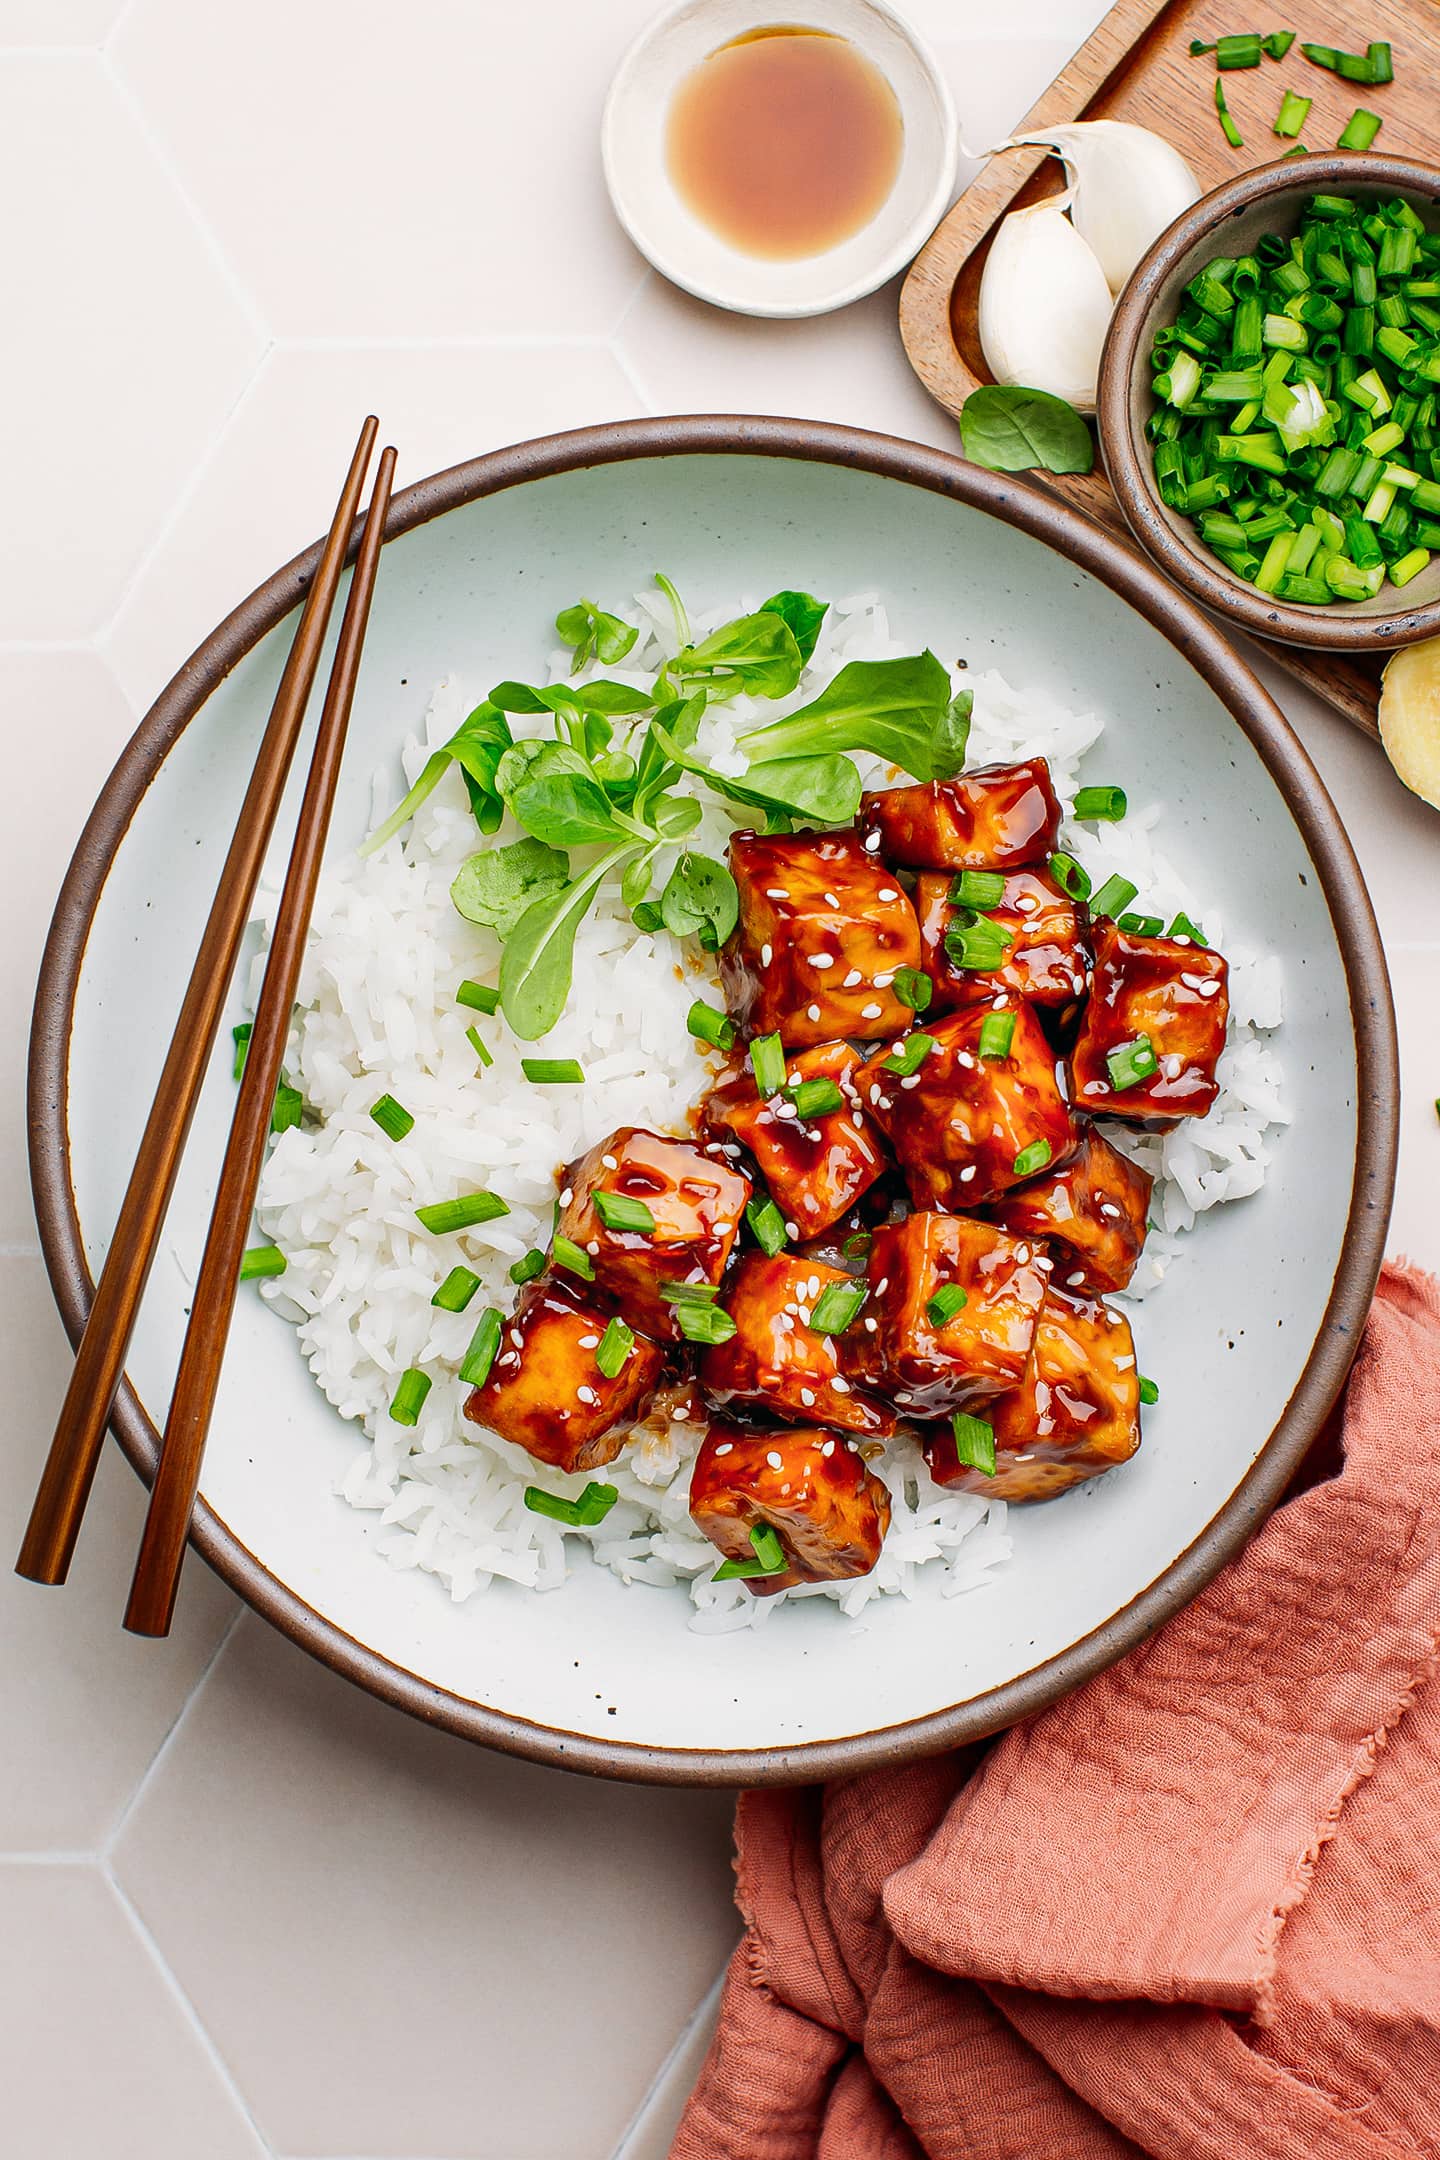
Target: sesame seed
x=726, y=1447
x=1044, y=1264
x=967, y=1173
x=807, y=1396
x=841, y=1387
x=777, y=892
x=857, y=1119
x=587, y=1394
x=871, y=1012
x=593, y=1247
x=832, y=899
x=792, y=1229
x=1191, y=982
x=812, y=1012
x=518, y=1339
x=511, y=1357
x=872, y=1325
x=964, y=1058
x=1172, y=1066
x=822, y=960
x=1074, y=1281
x=1108, y=1207
x=785, y=1488
x=887, y=892
x=827, y=1449
x=872, y=845
x=814, y=1286
x=883, y=982
x=1022, y=1254
x=589, y=1342
x=1210, y=989
x=722, y=1229
x=767, y=954
x=1024, y=905
x=874, y=1094
x=804, y=1312
x=609, y=1162
x=776, y=1461
x=566, y=1197
x=679, y=1414
x=882, y=1286
x=913, y=1081
x=1093, y=1087
x=852, y=978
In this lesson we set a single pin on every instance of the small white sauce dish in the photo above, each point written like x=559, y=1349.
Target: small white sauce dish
x=685, y=249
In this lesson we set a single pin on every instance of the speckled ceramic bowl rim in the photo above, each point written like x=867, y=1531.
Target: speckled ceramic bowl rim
x=1127, y=459
x=1117, y=566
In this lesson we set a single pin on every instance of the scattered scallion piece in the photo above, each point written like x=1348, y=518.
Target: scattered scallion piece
x=977, y=889
x=593, y=1505
x=997, y=1032
x=1070, y=876
x=478, y=1359
x=700, y=1322
x=1105, y=804
x=1113, y=897
x=478, y=996
x=1241, y=50
x=1278, y=44
x=1141, y=925
x=392, y=1117
x=1409, y=565
x=816, y=1098
x=837, y=1305
x=857, y=1245
x=1182, y=927
x=767, y=1062
x=258, y=1260
x=1232, y=133
x=409, y=1397
x=1033, y=1158
x=553, y=1072
x=463, y=1213
x=572, y=1257
x=478, y=1045
x=616, y=1345
x=907, y=1060
x=1149, y=1393
x=913, y=988
x=242, y=1036
x=289, y=1108
x=455, y=1293
x=768, y=1225
x=980, y=945
x=974, y=1442
x=1381, y=61
x=528, y=1266
x=708, y=1025
x=948, y=1301
x=1131, y=1063
x=623, y=1211
x=769, y=1557
x=1359, y=130
x=1292, y=114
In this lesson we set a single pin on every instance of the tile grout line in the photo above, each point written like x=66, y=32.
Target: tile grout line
x=456, y=341
x=49, y=1859
x=703, y=2009
x=105, y=1849
x=622, y=361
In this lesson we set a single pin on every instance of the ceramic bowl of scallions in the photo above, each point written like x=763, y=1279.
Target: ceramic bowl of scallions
x=1269, y=402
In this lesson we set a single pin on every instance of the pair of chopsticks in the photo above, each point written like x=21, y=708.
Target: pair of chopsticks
x=70, y=1467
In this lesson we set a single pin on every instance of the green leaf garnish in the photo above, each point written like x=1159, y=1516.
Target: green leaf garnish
x=803, y=612
x=891, y=708
x=700, y=900
x=594, y=635
x=476, y=747
x=497, y=885
x=1011, y=429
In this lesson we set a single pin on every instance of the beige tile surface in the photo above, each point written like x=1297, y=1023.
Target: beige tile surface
x=99, y=2057
x=344, y=1894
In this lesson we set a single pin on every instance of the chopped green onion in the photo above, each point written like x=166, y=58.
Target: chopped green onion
x=1241, y=51
x=242, y=1036
x=392, y=1117
x=259, y=1260
x=977, y=889
x=1409, y=566
x=1182, y=927
x=572, y=1257
x=477, y=1044
x=593, y=1505
x=1381, y=61
x=946, y=1302
x=974, y=1442
x=459, y=1286
x=1141, y=925
x=1232, y=133
x=1105, y=804
x=857, y=1245
x=907, y=1060
x=816, y=1098
x=478, y=1359
x=462, y=1214
x=1033, y=1158
x=768, y=1224
x=837, y=1305
x=1068, y=874
x=1292, y=114
x=979, y=946
x=553, y=1072
x=769, y=1557
x=1131, y=1063
x=913, y=988
x=1149, y=1393
x=616, y=1345
x=1324, y=56
x=622, y=1211
x=409, y=1397
x=289, y=1108
x=1278, y=43
x=529, y=1266
x=646, y=916
x=689, y=1293
x=997, y=1032
x=702, y=1323
x=709, y=1026
x=478, y=996
x=767, y=1062
x=1114, y=896
x=1359, y=130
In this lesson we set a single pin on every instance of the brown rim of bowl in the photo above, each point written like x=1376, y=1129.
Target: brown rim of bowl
x=1117, y=566
x=1127, y=463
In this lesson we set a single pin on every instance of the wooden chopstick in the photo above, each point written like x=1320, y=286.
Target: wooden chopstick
x=69, y=1472
x=177, y=1476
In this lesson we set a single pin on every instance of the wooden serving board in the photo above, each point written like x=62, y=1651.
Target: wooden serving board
x=1137, y=66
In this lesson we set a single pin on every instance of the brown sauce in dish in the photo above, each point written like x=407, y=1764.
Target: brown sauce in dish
x=785, y=141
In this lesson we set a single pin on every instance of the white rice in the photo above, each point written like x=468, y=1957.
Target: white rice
x=377, y=1014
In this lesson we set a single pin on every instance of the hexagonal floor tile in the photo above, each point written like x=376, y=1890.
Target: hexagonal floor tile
x=459, y=143
x=98, y=2059
x=68, y=698
x=271, y=485
x=85, y=1707
x=57, y=22
x=135, y=356
x=389, y=1898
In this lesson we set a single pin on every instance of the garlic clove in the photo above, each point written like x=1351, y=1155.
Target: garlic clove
x=1044, y=306
x=1128, y=184
x=1410, y=717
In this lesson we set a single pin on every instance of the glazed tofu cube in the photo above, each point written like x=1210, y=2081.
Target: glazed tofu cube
x=823, y=930
x=951, y=1317
x=811, y=1486
x=816, y=1165
x=965, y=1128
x=1047, y=960
x=776, y=1362
x=1155, y=991
x=1091, y=1212
x=999, y=817
x=693, y=1199
x=1075, y=1414
x=545, y=1391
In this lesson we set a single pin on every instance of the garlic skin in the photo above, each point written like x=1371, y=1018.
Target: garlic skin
x=1127, y=184
x=1044, y=305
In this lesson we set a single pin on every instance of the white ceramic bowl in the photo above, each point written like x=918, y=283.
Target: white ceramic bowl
x=663, y=226
x=1249, y=1341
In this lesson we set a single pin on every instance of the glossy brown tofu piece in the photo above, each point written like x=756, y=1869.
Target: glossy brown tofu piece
x=959, y=1124
x=811, y=1486
x=546, y=1393
x=999, y=817
x=928, y=1365
x=816, y=1166
x=696, y=1200
x=1075, y=1414
x=775, y=1362
x=1175, y=995
x=1091, y=1211
x=823, y=928
x=1047, y=962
